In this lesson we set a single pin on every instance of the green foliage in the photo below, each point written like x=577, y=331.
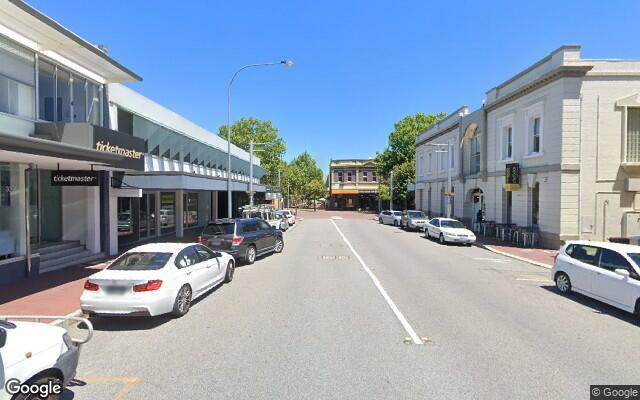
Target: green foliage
x=383, y=192
x=270, y=153
x=303, y=178
x=399, y=155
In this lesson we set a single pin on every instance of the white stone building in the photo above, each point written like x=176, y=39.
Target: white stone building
x=572, y=128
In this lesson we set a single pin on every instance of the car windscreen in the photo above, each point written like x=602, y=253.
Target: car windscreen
x=451, y=224
x=139, y=261
x=635, y=257
x=219, y=229
x=415, y=214
x=397, y=213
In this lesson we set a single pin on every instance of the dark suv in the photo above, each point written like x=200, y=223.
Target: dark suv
x=243, y=238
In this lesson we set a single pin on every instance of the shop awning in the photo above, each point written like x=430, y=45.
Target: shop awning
x=44, y=147
x=344, y=191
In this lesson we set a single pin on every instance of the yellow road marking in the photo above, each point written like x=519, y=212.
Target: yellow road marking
x=128, y=382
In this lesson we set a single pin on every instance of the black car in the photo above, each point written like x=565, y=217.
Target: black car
x=243, y=238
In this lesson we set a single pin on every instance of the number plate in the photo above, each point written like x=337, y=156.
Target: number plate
x=116, y=289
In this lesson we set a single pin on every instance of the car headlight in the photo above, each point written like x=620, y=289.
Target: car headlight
x=450, y=234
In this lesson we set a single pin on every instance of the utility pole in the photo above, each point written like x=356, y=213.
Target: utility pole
x=449, y=181
x=391, y=192
x=251, y=172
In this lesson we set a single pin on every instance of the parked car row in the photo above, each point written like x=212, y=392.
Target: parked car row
x=161, y=278
x=445, y=230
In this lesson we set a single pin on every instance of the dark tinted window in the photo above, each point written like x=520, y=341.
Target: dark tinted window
x=586, y=254
x=140, y=261
x=225, y=228
x=249, y=226
x=415, y=214
x=204, y=253
x=264, y=226
x=434, y=222
x=187, y=258
x=612, y=260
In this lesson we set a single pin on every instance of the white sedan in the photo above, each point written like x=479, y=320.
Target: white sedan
x=608, y=272
x=449, y=230
x=155, y=279
x=390, y=217
x=291, y=217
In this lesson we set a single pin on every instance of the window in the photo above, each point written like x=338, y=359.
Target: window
x=585, y=254
x=125, y=121
x=633, y=135
x=349, y=176
x=340, y=178
x=63, y=95
x=5, y=186
x=429, y=163
x=365, y=176
x=535, y=204
x=443, y=161
x=190, y=209
x=264, y=226
x=187, y=258
x=17, y=80
x=420, y=165
x=46, y=90
x=374, y=178
x=139, y=261
x=250, y=227
x=474, y=145
x=507, y=142
x=79, y=99
x=451, y=154
x=204, y=253
x=612, y=260
x=535, y=135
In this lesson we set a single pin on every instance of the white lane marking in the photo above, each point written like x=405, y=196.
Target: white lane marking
x=497, y=260
x=376, y=282
x=534, y=279
x=336, y=217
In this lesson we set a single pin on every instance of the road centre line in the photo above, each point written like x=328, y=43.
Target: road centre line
x=407, y=327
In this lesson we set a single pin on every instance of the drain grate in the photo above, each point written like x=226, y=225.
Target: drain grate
x=335, y=258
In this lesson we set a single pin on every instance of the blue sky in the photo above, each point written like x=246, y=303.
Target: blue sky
x=359, y=65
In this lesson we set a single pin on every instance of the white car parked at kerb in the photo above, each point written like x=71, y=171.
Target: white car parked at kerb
x=291, y=217
x=390, y=217
x=608, y=272
x=155, y=279
x=37, y=360
x=448, y=230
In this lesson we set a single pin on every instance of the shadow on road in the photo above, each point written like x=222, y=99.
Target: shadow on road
x=596, y=306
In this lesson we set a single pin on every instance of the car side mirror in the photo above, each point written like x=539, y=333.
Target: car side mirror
x=622, y=272
x=3, y=337
x=217, y=254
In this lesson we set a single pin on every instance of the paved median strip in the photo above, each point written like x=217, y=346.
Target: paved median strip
x=405, y=324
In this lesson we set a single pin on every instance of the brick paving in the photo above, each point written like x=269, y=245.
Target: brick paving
x=538, y=256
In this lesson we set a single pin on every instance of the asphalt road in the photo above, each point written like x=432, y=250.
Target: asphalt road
x=311, y=324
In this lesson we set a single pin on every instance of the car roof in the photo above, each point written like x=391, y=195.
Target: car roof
x=620, y=247
x=172, y=247
x=446, y=219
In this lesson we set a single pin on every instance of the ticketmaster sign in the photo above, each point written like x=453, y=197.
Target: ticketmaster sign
x=74, y=178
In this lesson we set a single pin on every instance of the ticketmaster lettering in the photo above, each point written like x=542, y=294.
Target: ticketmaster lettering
x=101, y=146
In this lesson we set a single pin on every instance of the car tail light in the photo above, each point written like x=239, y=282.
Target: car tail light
x=201, y=240
x=237, y=240
x=90, y=286
x=148, y=287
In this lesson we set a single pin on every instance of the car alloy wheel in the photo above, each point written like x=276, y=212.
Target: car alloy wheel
x=279, y=245
x=228, y=277
x=251, y=254
x=563, y=283
x=442, y=239
x=380, y=220
x=183, y=301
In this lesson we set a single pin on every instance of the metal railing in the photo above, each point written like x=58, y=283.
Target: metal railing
x=58, y=320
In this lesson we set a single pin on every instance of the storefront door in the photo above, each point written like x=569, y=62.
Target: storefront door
x=50, y=209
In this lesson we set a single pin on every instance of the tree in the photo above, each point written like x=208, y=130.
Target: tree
x=314, y=190
x=303, y=177
x=271, y=152
x=400, y=153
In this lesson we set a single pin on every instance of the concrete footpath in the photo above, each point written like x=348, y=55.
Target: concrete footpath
x=536, y=256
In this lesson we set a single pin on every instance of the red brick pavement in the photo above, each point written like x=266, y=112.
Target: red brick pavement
x=538, y=256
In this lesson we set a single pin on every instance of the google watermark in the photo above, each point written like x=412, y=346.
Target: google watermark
x=41, y=389
x=615, y=392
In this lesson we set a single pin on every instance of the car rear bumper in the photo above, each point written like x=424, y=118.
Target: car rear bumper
x=146, y=304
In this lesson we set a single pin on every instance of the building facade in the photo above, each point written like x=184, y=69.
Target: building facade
x=555, y=147
x=88, y=165
x=353, y=185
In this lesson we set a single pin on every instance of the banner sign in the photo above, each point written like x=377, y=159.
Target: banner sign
x=131, y=148
x=75, y=178
x=512, y=177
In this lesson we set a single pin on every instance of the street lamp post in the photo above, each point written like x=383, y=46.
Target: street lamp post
x=286, y=63
x=448, y=192
x=391, y=192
